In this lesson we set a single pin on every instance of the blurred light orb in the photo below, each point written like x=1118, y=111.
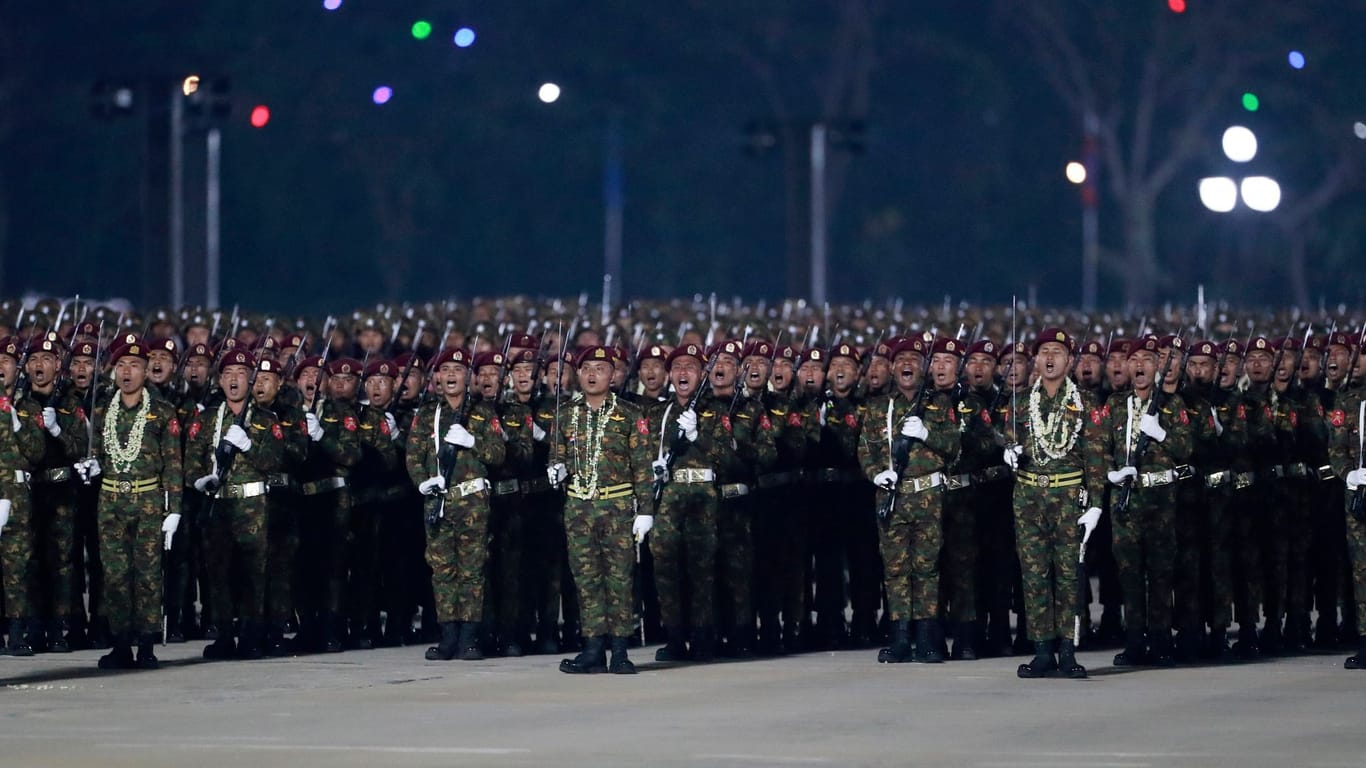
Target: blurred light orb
x=189, y=85
x=1240, y=144
x=1076, y=172
x=382, y=94
x=1296, y=60
x=548, y=93
x=260, y=115
x=1218, y=193
x=1250, y=101
x=1359, y=128
x=1177, y=6
x=331, y=5
x=422, y=30
x=464, y=37
x=1261, y=193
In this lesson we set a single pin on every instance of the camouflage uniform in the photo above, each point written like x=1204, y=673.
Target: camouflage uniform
x=1195, y=507
x=372, y=478
x=543, y=549
x=19, y=449
x=282, y=524
x=1277, y=419
x=755, y=452
x=1345, y=454
x=1219, y=463
x=134, y=501
x=503, y=595
x=835, y=486
x=779, y=540
x=958, y=561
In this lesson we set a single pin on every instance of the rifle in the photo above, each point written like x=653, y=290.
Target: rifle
x=901, y=445
x=91, y=394
x=1356, y=357
x=408, y=366
x=1140, y=446
x=678, y=444
x=634, y=370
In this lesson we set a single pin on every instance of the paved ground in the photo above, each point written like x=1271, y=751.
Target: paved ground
x=391, y=708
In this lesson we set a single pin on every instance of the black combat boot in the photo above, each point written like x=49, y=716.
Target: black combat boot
x=1217, y=649
x=1272, y=641
x=98, y=634
x=591, y=660
x=1325, y=633
x=1132, y=655
x=449, y=645
x=19, y=644
x=1111, y=632
x=1296, y=633
x=1359, y=660
x=1160, y=649
x=56, y=636
x=221, y=649
x=933, y=633
x=249, y=646
x=274, y=645
x=964, y=641
x=146, y=659
x=174, y=634
x=546, y=642
x=469, y=642
x=1022, y=643
x=121, y=656
x=899, y=651
x=1042, y=663
x=1067, y=660
x=703, y=644
x=742, y=641
x=620, y=664
x=1247, y=647
x=770, y=637
x=673, y=649
x=331, y=626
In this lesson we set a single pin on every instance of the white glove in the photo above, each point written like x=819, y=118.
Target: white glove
x=199, y=407
x=914, y=428
x=5, y=505
x=886, y=479
x=207, y=484
x=392, y=423
x=660, y=467
x=687, y=424
x=1218, y=425
x=87, y=468
x=822, y=414
x=642, y=526
x=1355, y=479
x=238, y=438
x=432, y=486
x=169, y=526
x=537, y=433
x=50, y=422
x=1089, y=520
x=1118, y=476
x=315, y=427
x=1148, y=425
x=458, y=435
x=1012, y=456
x=557, y=473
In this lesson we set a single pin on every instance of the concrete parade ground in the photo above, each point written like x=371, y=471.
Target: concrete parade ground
x=392, y=708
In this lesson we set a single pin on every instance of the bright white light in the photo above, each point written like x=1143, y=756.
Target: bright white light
x=1261, y=193
x=1359, y=128
x=548, y=93
x=1219, y=193
x=1076, y=172
x=1240, y=144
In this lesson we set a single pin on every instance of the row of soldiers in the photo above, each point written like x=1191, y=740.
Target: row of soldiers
x=782, y=498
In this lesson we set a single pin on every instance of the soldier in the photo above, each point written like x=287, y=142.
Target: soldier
x=231, y=451
x=452, y=447
x=688, y=448
x=1102, y=563
x=653, y=378
x=22, y=444
x=1194, y=502
x=137, y=452
x=412, y=575
x=993, y=514
x=1090, y=370
x=161, y=368
x=1330, y=533
x=185, y=561
x=86, y=565
x=1013, y=369
x=1048, y=436
x=542, y=521
x=1347, y=451
x=1144, y=531
x=907, y=440
x=282, y=535
x=604, y=453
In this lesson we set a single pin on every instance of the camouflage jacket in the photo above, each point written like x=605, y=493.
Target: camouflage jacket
x=20, y=450
x=159, y=453
x=267, y=445
x=339, y=449
x=715, y=445
x=72, y=443
x=926, y=457
x=624, y=455
x=1119, y=433
x=426, y=440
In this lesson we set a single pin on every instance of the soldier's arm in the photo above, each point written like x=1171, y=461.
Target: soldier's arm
x=374, y=432
x=73, y=437
x=168, y=448
x=765, y=438
x=715, y=439
x=31, y=438
x=267, y=442
x=942, y=423
x=641, y=454
x=341, y=438
x=296, y=436
x=872, y=448
x=1344, y=448
x=196, y=452
x=418, y=446
x=489, y=447
x=521, y=448
x=1094, y=469
x=1176, y=418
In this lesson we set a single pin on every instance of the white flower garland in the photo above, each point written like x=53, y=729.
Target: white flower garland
x=122, y=455
x=593, y=423
x=1052, y=435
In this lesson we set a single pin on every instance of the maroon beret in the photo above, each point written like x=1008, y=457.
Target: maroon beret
x=236, y=357
x=1205, y=348
x=345, y=366
x=489, y=358
x=845, y=350
x=948, y=345
x=686, y=350
x=451, y=355
x=1054, y=334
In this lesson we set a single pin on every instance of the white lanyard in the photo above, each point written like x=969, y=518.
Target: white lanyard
x=890, y=401
x=664, y=427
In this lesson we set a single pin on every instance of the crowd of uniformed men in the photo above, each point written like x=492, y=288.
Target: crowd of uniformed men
x=492, y=482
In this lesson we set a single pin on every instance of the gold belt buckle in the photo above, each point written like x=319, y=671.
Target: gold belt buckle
x=125, y=486
x=1041, y=480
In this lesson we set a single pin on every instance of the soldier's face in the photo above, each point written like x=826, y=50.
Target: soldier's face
x=879, y=372
x=979, y=369
x=1117, y=370
x=1142, y=369
x=233, y=380
x=755, y=372
x=783, y=374
x=196, y=334
x=1258, y=366
x=908, y=368
x=1014, y=369
x=197, y=370
x=489, y=380
x=1339, y=357
x=1053, y=361
x=371, y=340
x=267, y=387
x=308, y=381
x=1201, y=370
x=342, y=386
x=723, y=373
x=1286, y=370
x=130, y=373
x=412, y=386
x=811, y=377
x=943, y=369
x=451, y=378
x=843, y=374
x=160, y=366
x=522, y=382
x=1229, y=375
x=9, y=368
x=42, y=368
x=653, y=375
x=379, y=390
x=1089, y=370
x=1173, y=370
x=684, y=374
x=1311, y=365
x=83, y=371
x=595, y=377
x=619, y=373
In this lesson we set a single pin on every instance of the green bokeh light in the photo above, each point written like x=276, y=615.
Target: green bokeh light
x=422, y=30
x=1251, y=102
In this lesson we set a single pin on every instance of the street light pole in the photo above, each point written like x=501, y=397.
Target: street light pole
x=819, y=233
x=213, y=200
x=177, y=198
x=1090, y=226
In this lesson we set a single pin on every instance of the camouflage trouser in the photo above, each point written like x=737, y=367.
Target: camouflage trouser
x=1245, y=510
x=235, y=538
x=1218, y=555
x=912, y=536
x=1047, y=540
x=503, y=593
x=778, y=547
x=684, y=541
x=130, y=546
x=16, y=552
x=601, y=553
x=735, y=562
x=457, y=550
x=1145, y=549
x=1191, y=521
x=1356, y=550
x=958, y=560
x=54, y=538
x=324, y=535
x=282, y=543
x=543, y=556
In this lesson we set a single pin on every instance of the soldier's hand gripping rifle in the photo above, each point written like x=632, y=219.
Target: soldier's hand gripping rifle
x=679, y=442
x=1140, y=446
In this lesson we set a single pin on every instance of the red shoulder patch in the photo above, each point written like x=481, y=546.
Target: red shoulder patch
x=764, y=423
x=174, y=427
x=194, y=429
x=1096, y=416
x=5, y=404
x=530, y=422
x=275, y=430
x=794, y=419
x=80, y=414
x=39, y=418
x=986, y=416
x=1211, y=421
x=384, y=427
x=497, y=425
x=1266, y=411
x=953, y=415
x=350, y=423
x=1338, y=418
x=1242, y=412
x=725, y=423
x=642, y=426
x=1185, y=417
x=851, y=421
x=411, y=427
x=1294, y=419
